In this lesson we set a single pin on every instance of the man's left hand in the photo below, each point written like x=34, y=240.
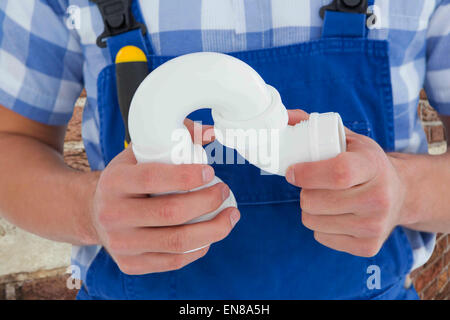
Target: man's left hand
x=353, y=201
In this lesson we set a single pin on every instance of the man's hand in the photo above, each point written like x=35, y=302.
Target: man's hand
x=145, y=234
x=353, y=201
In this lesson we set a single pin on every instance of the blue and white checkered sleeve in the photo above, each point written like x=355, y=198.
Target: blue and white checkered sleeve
x=437, y=83
x=41, y=61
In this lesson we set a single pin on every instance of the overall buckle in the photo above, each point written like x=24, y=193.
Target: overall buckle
x=117, y=18
x=349, y=6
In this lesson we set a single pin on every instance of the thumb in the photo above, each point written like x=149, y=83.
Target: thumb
x=125, y=157
x=201, y=134
x=349, y=132
x=296, y=116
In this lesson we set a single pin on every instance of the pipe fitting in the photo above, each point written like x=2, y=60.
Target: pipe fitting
x=240, y=101
x=274, y=116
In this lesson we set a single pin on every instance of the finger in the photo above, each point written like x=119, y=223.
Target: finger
x=296, y=116
x=362, y=144
x=349, y=244
x=201, y=134
x=157, y=262
x=168, y=210
x=208, y=135
x=125, y=157
x=346, y=170
x=179, y=239
x=362, y=200
x=150, y=178
x=331, y=202
x=192, y=236
x=343, y=224
x=349, y=132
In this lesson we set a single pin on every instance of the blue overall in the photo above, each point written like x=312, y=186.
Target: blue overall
x=270, y=254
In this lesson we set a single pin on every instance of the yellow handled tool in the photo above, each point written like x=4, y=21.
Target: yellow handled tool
x=131, y=70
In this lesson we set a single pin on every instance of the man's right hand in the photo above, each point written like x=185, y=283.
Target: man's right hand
x=146, y=234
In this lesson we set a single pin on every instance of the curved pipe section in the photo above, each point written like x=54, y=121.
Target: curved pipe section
x=188, y=83
x=240, y=101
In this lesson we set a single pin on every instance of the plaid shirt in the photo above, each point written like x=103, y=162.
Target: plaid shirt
x=45, y=62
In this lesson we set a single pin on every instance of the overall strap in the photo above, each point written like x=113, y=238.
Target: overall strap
x=345, y=18
x=124, y=26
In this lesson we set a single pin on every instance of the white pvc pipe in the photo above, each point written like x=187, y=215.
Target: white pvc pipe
x=239, y=99
x=185, y=84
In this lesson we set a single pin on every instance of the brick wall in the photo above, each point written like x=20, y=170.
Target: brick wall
x=74, y=154
x=432, y=281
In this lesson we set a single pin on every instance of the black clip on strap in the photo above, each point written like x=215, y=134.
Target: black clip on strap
x=350, y=6
x=117, y=18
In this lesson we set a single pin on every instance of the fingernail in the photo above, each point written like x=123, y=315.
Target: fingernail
x=234, y=217
x=225, y=192
x=290, y=175
x=208, y=173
